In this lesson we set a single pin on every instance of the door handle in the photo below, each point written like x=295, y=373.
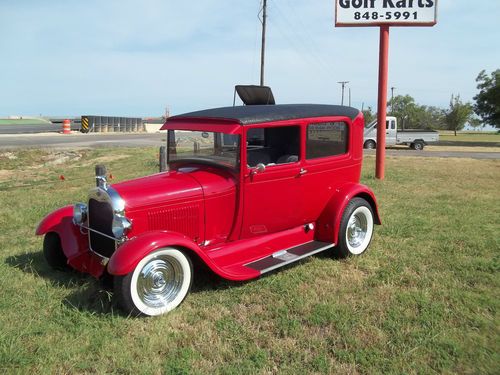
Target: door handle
x=302, y=171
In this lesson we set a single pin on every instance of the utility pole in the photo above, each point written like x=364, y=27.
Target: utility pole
x=392, y=99
x=263, y=46
x=343, y=83
x=349, y=96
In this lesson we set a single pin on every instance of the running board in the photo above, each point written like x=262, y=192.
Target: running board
x=284, y=257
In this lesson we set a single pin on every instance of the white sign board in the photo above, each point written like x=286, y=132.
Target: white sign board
x=385, y=12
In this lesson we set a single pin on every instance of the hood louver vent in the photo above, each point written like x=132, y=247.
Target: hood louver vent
x=185, y=220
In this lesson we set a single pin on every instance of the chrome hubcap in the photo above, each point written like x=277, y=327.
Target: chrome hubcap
x=160, y=281
x=356, y=230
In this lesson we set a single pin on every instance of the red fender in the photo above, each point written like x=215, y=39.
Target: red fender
x=53, y=220
x=61, y=222
x=128, y=255
x=74, y=244
x=329, y=221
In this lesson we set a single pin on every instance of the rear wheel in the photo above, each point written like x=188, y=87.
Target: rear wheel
x=370, y=144
x=157, y=285
x=356, y=228
x=53, y=252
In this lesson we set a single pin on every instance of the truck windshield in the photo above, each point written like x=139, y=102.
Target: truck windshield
x=203, y=147
x=370, y=124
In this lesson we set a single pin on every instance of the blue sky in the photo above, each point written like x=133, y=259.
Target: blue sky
x=133, y=58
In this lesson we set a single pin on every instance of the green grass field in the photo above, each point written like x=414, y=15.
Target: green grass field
x=479, y=137
x=26, y=121
x=423, y=299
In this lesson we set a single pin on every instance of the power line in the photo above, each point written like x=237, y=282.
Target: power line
x=309, y=40
x=298, y=38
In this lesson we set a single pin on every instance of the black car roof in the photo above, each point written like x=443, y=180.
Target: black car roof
x=254, y=114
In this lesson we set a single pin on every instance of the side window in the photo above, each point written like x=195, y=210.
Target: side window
x=387, y=124
x=271, y=146
x=326, y=139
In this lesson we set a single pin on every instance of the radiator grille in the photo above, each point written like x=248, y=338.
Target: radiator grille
x=101, y=219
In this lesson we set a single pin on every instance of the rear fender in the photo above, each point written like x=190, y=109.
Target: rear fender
x=128, y=255
x=329, y=221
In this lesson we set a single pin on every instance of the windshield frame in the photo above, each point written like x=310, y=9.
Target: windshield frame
x=192, y=158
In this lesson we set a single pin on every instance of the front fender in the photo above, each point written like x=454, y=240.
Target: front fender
x=329, y=221
x=52, y=221
x=74, y=243
x=60, y=221
x=129, y=254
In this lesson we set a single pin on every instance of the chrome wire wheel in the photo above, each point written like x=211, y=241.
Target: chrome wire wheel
x=356, y=230
x=159, y=282
x=359, y=230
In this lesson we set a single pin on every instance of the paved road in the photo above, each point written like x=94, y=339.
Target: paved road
x=79, y=140
x=437, y=154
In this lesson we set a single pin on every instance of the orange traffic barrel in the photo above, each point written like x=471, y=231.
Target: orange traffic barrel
x=66, y=127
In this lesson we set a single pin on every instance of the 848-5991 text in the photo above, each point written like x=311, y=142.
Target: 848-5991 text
x=385, y=16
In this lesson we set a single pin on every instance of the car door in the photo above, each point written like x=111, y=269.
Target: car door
x=271, y=197
x=328, y=164
x=390, y=132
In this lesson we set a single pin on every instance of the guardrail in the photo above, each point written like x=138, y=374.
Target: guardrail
x=110, y=124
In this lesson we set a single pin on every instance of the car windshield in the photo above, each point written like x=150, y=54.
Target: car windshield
x=203, y=147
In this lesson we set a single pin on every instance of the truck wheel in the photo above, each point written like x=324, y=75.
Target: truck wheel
x=418, y=145
x=370, y=144
x=53, y=253
x=356, y=228
x=157, y=285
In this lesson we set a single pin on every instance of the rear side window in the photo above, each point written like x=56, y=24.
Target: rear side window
x=326, y=139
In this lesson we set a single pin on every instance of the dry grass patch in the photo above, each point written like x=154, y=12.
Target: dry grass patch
x=434, y=148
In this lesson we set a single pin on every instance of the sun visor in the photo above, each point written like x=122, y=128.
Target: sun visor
x=255, y=95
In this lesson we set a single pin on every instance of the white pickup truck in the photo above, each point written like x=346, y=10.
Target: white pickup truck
x=415, y=138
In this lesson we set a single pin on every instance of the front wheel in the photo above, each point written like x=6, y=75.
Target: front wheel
x=356, y=228
x=53, y=252
x=157, y=285
x=370, y=144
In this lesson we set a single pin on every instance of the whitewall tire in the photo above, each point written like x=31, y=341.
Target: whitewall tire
x=356, y=228
x=157, y=285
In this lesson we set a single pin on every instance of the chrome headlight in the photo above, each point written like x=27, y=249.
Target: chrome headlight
x=120, y=226
x=79, y=213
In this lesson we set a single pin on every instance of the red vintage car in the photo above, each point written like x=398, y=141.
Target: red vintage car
x=249, y=189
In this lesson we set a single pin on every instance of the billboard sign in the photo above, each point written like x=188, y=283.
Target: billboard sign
x=385, y=12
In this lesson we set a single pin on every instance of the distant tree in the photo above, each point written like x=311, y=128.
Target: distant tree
x=428, y=117
x=369, y=115
x=403, y=108
x=476, y=123
x=488, y=100
x=458, y=114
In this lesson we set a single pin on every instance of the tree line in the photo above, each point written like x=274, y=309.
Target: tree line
x=484, y=111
